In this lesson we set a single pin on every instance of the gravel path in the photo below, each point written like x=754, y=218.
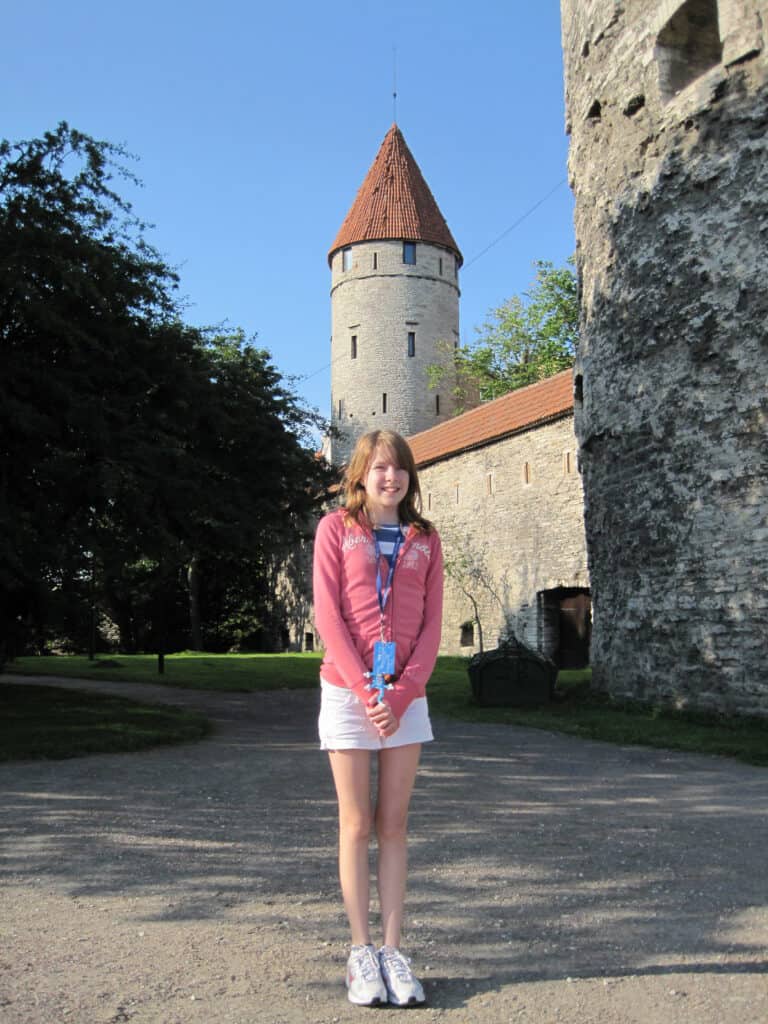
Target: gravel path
x=552, y=879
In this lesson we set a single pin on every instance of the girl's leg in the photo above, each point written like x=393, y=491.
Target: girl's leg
x=397, y=773
x=352, y=778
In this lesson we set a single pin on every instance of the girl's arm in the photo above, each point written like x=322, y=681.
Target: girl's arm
x=326, y=581
x=415, y=675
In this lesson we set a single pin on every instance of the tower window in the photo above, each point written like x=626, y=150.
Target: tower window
x=429, y=501
x=440, y=265
x=353, y=346
x=346, y=258
x=467, y=638
x=409, y=253
x=437, y=405
x=411, y=343
x=688, y=45
x=375, y=261
x=567, y=463
x=526, y=472
x=384, y=402
x=489, y=483
x=341, y=408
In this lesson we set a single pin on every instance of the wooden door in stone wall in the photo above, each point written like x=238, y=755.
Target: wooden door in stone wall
x=565, y=625
x=575, y=630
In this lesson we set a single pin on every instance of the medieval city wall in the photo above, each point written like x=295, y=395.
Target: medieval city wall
x=514, y=510
x=667, y=106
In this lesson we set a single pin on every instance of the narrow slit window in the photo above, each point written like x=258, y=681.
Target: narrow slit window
x=429, y=501
x=346, y=258
x=567, y=463
x=526, y=472
x=437, y=405
x=409, y=253
x=353, y=346
x=375, y=261
x=341, y=408
x=411, y=343
x=384, y=402
x=440, y=265
x=456, y=485
x=489, y=483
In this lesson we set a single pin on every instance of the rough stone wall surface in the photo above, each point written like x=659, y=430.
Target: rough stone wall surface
x=379, y=306
x=671, y=186
x=527, y=537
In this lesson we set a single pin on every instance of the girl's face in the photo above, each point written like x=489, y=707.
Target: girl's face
x=386, y=484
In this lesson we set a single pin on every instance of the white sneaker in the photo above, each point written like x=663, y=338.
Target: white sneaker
x=365, y=986
x=403, y=989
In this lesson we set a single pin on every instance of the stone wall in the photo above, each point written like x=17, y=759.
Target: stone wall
x=379, y=300
x=514, y=509
x=667, y=105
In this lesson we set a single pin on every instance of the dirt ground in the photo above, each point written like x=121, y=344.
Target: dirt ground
x=552, y=879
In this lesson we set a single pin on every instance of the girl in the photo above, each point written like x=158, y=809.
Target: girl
x=378, y=592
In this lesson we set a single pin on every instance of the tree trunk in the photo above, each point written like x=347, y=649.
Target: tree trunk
x=193, y=582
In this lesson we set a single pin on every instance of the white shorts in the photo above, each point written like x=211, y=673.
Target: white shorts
x=344, y=725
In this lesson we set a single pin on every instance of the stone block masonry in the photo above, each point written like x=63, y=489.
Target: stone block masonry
x=667, y=106
x=379, y=301
x=514, y=510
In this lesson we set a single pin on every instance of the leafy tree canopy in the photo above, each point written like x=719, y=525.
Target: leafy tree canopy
x=127, y=438
x=524, y=340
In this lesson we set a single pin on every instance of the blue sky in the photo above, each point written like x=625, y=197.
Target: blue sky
x=255, y=124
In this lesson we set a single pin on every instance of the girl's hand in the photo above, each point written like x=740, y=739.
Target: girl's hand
x=382, y=716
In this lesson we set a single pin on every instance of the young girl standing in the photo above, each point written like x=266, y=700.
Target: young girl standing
x=378, y=593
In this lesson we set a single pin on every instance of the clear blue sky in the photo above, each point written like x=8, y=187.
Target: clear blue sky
x=256, y=123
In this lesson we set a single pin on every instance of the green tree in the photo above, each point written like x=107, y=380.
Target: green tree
x=524, y=340
x=89, y=338
x=131, y=444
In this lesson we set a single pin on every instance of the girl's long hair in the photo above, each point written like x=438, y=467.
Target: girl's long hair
x=353, y=482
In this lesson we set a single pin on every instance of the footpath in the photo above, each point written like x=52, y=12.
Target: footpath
x=552, y=879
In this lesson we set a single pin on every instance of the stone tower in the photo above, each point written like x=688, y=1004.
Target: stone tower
x=394, y=304
x=667, y=107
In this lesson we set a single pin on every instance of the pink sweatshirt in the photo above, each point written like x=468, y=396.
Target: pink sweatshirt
x=347, y=608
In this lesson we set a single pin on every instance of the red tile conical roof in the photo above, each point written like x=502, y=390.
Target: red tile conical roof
x=394, y=202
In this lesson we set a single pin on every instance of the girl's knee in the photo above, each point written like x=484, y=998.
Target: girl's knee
x=355, y=829
x=391, y=826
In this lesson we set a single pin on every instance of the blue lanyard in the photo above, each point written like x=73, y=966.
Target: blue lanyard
x=383, y=593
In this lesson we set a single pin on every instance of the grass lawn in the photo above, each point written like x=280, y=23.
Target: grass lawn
x=189, y=669
x=50, y=722
x=577, y=710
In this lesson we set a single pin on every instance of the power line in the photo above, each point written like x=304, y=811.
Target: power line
x=515, y=224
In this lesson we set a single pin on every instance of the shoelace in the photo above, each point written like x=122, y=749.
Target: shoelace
x=366, y=961
x=397, y=963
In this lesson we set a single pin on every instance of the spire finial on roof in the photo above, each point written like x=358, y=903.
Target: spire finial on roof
x=394, y=84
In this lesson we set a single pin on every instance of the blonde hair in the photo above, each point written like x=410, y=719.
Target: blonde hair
x=353, y=481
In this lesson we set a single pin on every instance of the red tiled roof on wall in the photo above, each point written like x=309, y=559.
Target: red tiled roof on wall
x=519, y=410
x=394, y=202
